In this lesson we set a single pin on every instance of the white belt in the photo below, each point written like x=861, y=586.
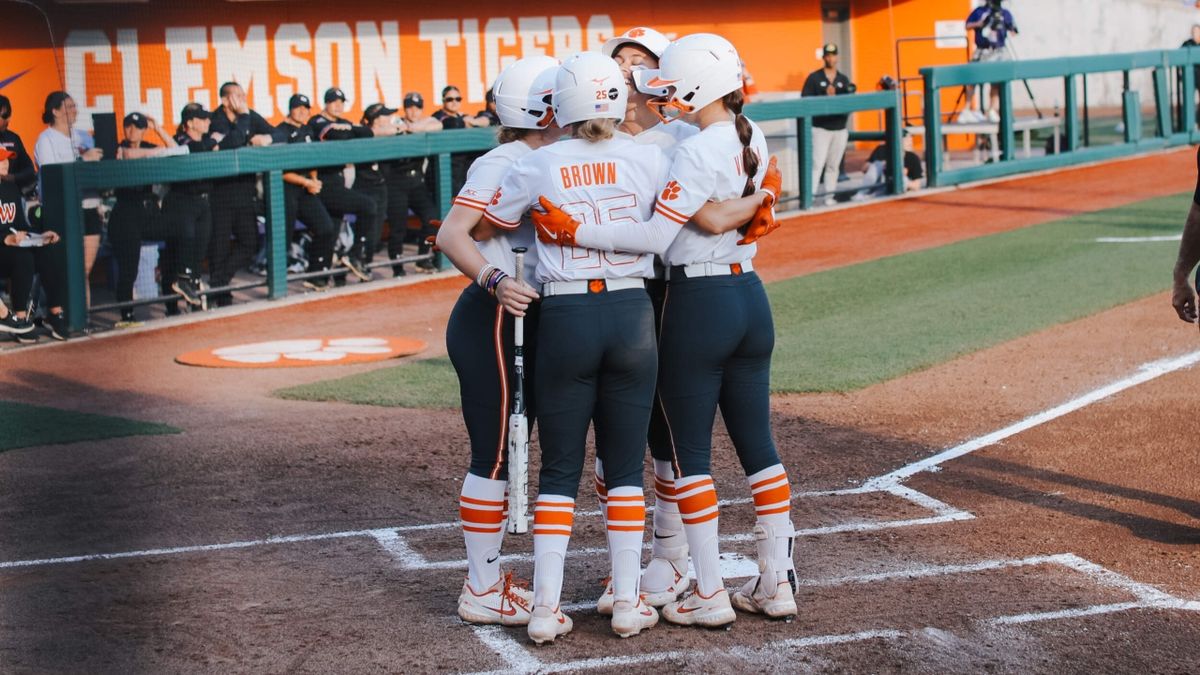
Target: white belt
x=709, y=269
x=582, y=286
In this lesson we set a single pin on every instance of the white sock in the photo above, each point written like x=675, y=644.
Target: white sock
x=773, y=509
x=698, y=508
x=626, y=519
x=666, y=505
x=553, y=518
x=481, y=508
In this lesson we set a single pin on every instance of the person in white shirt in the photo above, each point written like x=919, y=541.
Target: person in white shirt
x=61, y=143
x=479, y=336
x=717, y=331
x=597, y=358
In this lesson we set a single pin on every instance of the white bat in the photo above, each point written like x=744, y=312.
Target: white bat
x=518, y=428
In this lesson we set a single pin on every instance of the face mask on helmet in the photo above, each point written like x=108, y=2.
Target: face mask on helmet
x=697, y=70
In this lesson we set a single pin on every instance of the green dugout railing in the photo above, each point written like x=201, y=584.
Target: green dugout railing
x=1070, y=70
x=63, y=184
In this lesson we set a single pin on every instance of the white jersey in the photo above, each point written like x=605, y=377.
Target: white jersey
x=708, y=167
x=483, y=180
x=667, y=136
x=599, y=184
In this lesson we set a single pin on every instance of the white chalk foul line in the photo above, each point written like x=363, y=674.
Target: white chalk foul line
x=1146, y=373
x=1137, y=240
x=510, y=648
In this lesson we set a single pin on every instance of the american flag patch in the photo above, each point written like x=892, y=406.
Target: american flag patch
x=601, y=107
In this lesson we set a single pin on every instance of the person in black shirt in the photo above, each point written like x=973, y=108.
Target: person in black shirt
x=300, y=193
x=407, y=188
x=451, y=117
x=878, y=173
x=21, y=170
x=234, y=199
x=370, y=180
x=136, y=216
x=830, y=134
x=187, y=209
x=27, y=249
x=338, y=199
x=489, y=111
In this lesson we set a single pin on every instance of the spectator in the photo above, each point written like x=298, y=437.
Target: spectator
x=22, y=173
x=370, y=180
x=878, y=174
x=407, y=188
x=992, y=24
x=61, y=143
x=137, y=216
x=234, y=199
x=337, y=198
x=27, y=250
x=189, y=213
x=301, y=190
x=451, y=117
x=830, y=133
x=489, y=110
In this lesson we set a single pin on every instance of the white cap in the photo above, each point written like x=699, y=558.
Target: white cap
x=523, y=93
x=589, y=86
x=654, y=41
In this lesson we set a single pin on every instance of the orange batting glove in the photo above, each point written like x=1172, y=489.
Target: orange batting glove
x=554, y=226
x=762, y=224
x=773, y=180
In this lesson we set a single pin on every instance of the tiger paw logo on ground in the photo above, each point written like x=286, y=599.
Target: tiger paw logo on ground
x=671, y=191
x=303, y=352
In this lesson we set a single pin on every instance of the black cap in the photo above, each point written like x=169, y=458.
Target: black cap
x=413, y=99
x=193, y=111
x=136, y=119
x=334, y=94
x=830, y=49
x=377, y=110
x=298, y=101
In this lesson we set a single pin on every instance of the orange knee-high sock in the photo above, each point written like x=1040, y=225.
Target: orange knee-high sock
x=553, y=518
x=481, y=508
x=626, y=519
x=697, y=499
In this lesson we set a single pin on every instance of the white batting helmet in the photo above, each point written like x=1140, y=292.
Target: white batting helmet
x=648, y=38
x=589, y=86
x=698, y=69
x=523, y=93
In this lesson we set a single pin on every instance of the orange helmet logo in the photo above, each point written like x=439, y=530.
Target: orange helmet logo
x=636, y=32
x=671, y=191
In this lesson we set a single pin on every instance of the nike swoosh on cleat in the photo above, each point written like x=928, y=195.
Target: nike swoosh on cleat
x=502, y=612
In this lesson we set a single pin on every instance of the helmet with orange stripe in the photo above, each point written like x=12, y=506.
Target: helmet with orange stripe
x=695, y=70
x=524, y=92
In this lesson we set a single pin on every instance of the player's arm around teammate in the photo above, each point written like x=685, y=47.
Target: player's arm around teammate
x=479, y=337
x=1183, y=298
x=717, y=331
x=597, y=357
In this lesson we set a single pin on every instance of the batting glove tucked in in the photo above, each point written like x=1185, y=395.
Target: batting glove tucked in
x=762, y=224
x=555, y=226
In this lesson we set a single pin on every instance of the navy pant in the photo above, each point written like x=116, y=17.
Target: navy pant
x=596, y=363
x=479, y=339
x=300, y=204
x=715, y=351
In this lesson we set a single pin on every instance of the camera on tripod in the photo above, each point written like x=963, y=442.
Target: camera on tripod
x=995, y=20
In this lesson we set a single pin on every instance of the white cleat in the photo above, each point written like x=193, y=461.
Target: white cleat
x=545, y=624
x=506, y=603
x=631, y=618
x=604, y=605
x=753, y=598
x=664, y=581
x=694, y=609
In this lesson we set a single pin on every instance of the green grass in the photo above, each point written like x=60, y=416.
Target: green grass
x=430, y=383
x=855, y=326
x=25, y=426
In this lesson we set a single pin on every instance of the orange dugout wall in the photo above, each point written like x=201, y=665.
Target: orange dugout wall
x=155, y=56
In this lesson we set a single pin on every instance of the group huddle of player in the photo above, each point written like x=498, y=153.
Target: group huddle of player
x=639, y=190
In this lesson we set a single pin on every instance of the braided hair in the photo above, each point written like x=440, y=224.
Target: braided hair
x=734, y=101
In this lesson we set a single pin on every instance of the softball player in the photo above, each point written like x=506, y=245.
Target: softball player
x=637, y=51
x=479, y=336
x=596, y=360
x=717, y=332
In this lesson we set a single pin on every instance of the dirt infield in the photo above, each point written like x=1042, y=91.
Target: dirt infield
x=287, y=536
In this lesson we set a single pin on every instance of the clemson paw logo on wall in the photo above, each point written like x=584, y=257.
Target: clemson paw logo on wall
x=671, y=191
